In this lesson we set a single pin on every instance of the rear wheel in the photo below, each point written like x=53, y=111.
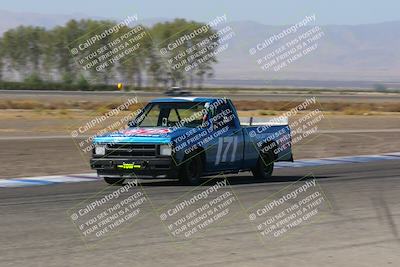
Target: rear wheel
x=265, y=166
x=114, y=181
x=191, y=170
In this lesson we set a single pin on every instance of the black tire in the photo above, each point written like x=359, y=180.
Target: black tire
x=114, y=181
x=191, y=171
x=264, y=167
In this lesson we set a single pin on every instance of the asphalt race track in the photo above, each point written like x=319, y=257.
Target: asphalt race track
x=361, y=228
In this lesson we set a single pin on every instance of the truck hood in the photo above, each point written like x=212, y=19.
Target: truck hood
x=153, y=135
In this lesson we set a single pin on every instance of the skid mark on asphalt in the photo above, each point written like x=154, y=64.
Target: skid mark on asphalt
x=87, y=177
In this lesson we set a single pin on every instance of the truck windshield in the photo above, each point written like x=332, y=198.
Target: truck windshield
x=177, y=114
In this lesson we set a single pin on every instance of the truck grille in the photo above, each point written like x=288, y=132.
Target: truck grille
x=131, y=150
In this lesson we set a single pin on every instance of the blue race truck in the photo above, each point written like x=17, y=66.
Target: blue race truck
x=187, y=138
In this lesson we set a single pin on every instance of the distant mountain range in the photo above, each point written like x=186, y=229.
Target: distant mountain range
x=362, y=52
x=368, y=52
x=9, y=20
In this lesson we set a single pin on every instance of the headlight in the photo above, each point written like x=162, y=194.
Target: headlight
x=100, y=149
x=165, y=150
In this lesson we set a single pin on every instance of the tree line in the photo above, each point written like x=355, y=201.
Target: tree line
x=35, y=55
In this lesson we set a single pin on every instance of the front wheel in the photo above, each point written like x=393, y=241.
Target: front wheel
x=191, y=171
x=264, y=167
x=114, y=181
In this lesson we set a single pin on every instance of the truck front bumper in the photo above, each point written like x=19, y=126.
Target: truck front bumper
x=152, y=167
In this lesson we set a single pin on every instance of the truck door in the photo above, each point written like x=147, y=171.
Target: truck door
x=226, y=153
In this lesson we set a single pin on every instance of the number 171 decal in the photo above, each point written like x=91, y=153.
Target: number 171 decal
x=225, y=143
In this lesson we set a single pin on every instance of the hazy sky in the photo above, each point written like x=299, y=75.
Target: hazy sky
x=263, y=11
